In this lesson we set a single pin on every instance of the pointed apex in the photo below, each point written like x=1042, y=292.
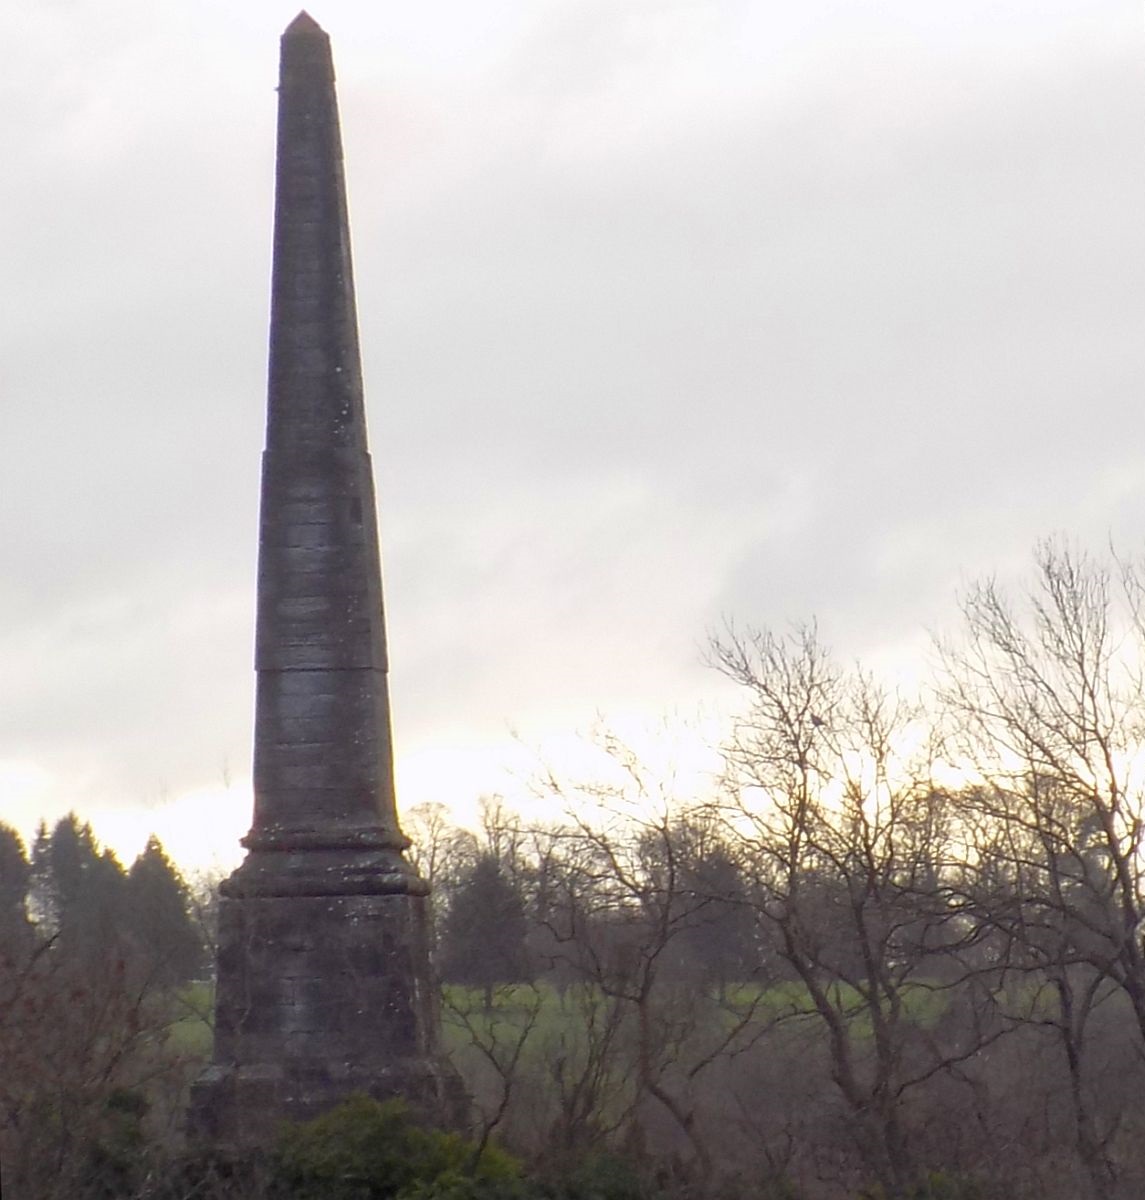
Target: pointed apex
x=303, y=25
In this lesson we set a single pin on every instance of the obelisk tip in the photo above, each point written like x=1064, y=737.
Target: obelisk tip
x=303, y=25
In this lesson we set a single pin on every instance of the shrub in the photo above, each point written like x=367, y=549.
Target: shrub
x=370, y=1150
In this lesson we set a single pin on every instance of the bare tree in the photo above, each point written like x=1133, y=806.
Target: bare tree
x=439, y=849
x=492, y=1040
x=85, y=1059
x=625, y=901
x=850, y=842
x=1045, y=703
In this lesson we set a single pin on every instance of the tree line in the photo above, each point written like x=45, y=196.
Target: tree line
x=94, y=963
x=899, y=942
x=893, y=951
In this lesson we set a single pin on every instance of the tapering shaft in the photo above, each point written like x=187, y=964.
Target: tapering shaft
x=323, y=758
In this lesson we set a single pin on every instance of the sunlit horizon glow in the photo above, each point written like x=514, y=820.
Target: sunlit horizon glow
x=554, y=779
x=200, y=829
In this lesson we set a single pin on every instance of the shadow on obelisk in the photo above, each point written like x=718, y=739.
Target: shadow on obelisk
x=324, y=979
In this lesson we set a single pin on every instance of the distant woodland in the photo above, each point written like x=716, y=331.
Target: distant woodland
x=894, y=952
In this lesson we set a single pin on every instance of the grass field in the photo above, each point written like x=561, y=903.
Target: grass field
x=554, y=1016
x=189, y=1033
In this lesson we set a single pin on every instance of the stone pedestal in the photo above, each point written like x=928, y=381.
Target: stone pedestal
x=321, y=997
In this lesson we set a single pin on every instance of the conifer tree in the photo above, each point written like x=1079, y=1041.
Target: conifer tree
x=15, y=878
x=78, y=889
x=483, y=935
x=159, y=917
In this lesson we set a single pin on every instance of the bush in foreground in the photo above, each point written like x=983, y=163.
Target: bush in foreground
x=366, y=1150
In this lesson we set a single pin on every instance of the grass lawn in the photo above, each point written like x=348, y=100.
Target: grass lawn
x=192, y=1013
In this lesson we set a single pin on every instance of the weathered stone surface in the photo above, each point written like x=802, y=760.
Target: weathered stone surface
x=319, y=997
x=324, y=985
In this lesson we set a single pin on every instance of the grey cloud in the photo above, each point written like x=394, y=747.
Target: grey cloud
x=836, y=334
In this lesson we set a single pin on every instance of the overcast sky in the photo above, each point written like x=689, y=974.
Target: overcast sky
x=671, y=312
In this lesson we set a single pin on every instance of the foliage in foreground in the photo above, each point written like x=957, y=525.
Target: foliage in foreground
x=366, y=1150
x=370, y=1150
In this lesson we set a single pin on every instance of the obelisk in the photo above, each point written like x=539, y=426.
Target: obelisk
x=324, y=983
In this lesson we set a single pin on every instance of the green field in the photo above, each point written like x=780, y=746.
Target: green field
x=548, y=1017
x=192, y=1009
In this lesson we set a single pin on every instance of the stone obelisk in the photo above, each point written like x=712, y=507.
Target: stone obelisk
x=324, y=983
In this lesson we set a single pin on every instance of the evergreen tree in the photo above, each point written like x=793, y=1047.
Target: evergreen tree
x=78, y=889
x=41, y=907
x=15, y=879
x=719, y=933
x=158, y=917
x=483, y=935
